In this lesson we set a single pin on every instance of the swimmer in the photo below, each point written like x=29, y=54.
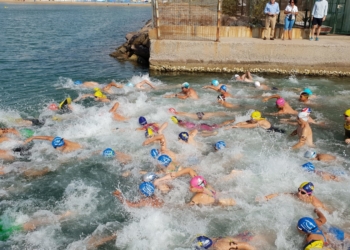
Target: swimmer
x=186, y=92
x=58, y=143
x=158, y=129
x=64, y=106
x=262, y=86
x=163, y=146
x=150, y=199
x=312, y=155
x=222, y=102
x=198, y=115
x=98, y=96
x=347, y=126
x=121, y=157
x=141, y=85
x=7, y=230
x=239, y=242
x=29, y=122
x=223, y=91
x=309, y=167
x=9, y=155
x=305, y=194
x=247, y=77
x=206, y=195
x=257, y=121
x=283, y=107
x=215, y=85
x=94, y=85
x=115, y=115
x=303, y=131
x=188, y=137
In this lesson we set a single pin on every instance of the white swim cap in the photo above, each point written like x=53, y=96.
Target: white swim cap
x=304, y=116
x=257, y=84
x=236, y=75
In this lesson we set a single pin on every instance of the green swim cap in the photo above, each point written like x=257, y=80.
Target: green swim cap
x=26, y=132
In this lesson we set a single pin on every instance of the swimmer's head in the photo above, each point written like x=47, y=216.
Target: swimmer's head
x=154, y=153
x=307, y=91
x=174, y=119
x=26, y=132
x=185, y=85
x=280, y=102
x=303, y=116
x=223, y=88
x=129, y=84
x=308, y=167
x=308, y=187
x=307, y=225
x=78, y=82
x=236, y=75
x=96, y=89
x=198, y=182
x=256, y=115
x=164, y=160
x=310, y=154
x=142, y=120
x=202, y=242
x=149, y=177
x=53, y=107
x=183, y=136
x=306, y=110
x=57, y=142
x=257, y=84
x=147, y=188
x=220, y=145
x=221, y=98
x=303, y=96
x=149, y=133
x=347, y=113
x=108, y=152
x=98, y=94
x=215, y=83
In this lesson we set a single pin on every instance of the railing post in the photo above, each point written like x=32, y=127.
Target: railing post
x=157, y=19
x=218, y=22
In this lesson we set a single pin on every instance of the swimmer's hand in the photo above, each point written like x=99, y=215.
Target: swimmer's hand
x=347, y=141
x=261, y=199
x=265, y=99
x=28, y=140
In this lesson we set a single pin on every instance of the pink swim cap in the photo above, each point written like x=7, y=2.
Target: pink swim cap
x=53, y=107
x=198, y=182
x=280, y=101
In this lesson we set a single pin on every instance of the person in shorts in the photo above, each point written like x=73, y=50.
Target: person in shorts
x=318, y=15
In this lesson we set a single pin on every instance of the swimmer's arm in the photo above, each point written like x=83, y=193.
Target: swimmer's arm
x=271, y=97
x=245, y=125
x=153, y=139
x=210, y=87
x=321, y=218
x=295, y=132
x=184, y=171
x=10, y=130
x=83, y=97
x=181, y=96
x=193, y=133
x=301, y=143
x=146, y=82
x=38, y=137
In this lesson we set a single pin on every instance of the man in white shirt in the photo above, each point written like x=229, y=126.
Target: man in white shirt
x=318, y=15
x=271, y=11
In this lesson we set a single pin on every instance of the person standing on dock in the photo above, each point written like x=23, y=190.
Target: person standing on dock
x=272, y=9
x=318, y=15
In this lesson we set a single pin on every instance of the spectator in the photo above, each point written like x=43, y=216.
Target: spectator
x=271, y=11
x=318, y=15
x=291, y=12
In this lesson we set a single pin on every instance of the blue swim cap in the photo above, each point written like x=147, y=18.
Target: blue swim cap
x=129, y=84
x=308, y=167
x=307, y=186
x=310, y=154
x=223, y=87
x=164, y=160
x=307, y=225
x=108, y=152
x=154, y=153
x=220, y=145
x=184, y=136
x=202, y=242
x=307, y=91
x=215, y=83
x=142, y=120
x=185, y=85
x=57, y=142
x=147, y=188
x=149, y=177
x=78, y=82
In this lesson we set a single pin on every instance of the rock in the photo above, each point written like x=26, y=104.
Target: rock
x=133, y=57
x=130, y=35
x=141, y=50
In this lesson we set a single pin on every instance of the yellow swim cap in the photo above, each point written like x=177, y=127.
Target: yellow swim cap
x=96, y=89
x=174, y=119
x=347, y=112
x=98, y=94
x=256, y=115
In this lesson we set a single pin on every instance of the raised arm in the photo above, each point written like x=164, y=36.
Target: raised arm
x=321, y=218
x=83, y=97
x=301, y=143
x=159, y=138
x=271, y=97
x=38, y=137
x=140, y=84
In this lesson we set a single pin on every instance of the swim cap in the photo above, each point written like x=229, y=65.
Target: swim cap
x=221, y=97
x=142, y=120
x=26, y=132
x=257, y=84
x=307, y=225
x=172, y=110
x=147, y=188
x=220, y=145
x=96, y=89
x=185, y=85
x=78, y=82
x=310, y=154
x=174, y=119
x=164, y=160
x=198, y=182
x=108, y=152
x=347, y=112
x=129, y=84
x=184, y=136
x=223, y=87
x=154, y=153
x=149, y=177
x=306, y=110
x=202, y=242
x=280, y=102
x=307, y=91
x=256, y=115
x=309, y=167
x=215, y=83
x=53, y=107
x=236, y=75
x=149, y=133
x=98, y=94
x=57, y=142
x=304, y=116
x=307, y=186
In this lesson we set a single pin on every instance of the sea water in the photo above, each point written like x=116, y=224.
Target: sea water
x=45, y=48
